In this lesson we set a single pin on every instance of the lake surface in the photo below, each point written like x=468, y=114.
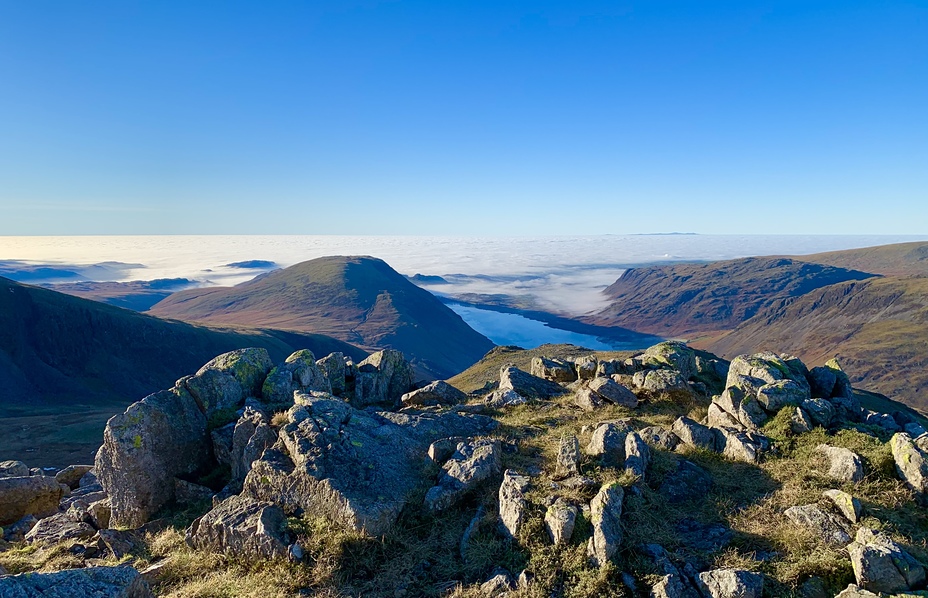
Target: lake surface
x=513, y=329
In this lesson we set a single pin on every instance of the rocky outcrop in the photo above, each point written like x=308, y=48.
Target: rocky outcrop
x=242, y=527
x=299, y=372
x=471, y=464
x=606, y=517
x=911, y=462
x=695, y=434
x=435, y=393
x=555, y=370
x=849, y=507
x=57, y=528
x=98, y=582
x=382, y=379
x=512, y=503
x=527, y=385
x=730, y=583
x=881, y=565
x=560, y=519
x=227, y=379
x=613, y=392
x=13, y=469
x=568, y=457
x=637, y=455
x=71, y=475
x=689, y=482
x=608, y=441
x=30, y=495
x=673, y=355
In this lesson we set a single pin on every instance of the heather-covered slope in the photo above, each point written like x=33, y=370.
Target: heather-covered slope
x=360, y=300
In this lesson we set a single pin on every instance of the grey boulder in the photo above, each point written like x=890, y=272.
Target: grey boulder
x=730, y=583
x=881, y=565
x=30, y=495
x=527, y=385
x=911, y=462
x=99, y=582
x=826, y=526
x=614, y=392
x=242, y=527
x=434, y=393
x=843, y=464
x=473, y=462
x=606, y=516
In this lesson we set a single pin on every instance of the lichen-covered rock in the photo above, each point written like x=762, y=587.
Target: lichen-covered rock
x=249, y=367
x=472, y=463
x=822, y=382
x=739, y=399
x=501, y=398
x=382, y=379
x=659, y=437
x=527, y=385
x=637, y=455
x=499, y=584
x=251, y=436
x=719, y=418
x=29, y=495
x=695, y=434
x=72, y=474
x=673, y=585
x=512, y=503
x=568, y=457
x=843, y=464
x=13, y=469
x=738, y=445
x=58, y=528
x=777, y=395
x=588, y=367
x=846, y=504
x=674, y=355
x=824, y=525
x=820, y=411
x=730, y=583
x=614, y=392
x=881, y=565
x=357, y=468
x=765, y=366
x=299, y=372
x=799, y=421
x=434, y=393
x=161, y=437
x=911, y=462
x=555, y=370
x=335, y=368
x=97, y=582
x=884, y=421
x=16, y=532
x=608, y=441
x=665, y=381
x=560, y=519
x=588, y=400
x=606, y=517
x=242, y=527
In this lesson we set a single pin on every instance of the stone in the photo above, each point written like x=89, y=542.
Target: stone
x=740, y=400
x=688, y=482
x=295, y=553
x=881, y=565
x=884, y=421
x=665, y=381
x=241, y=527
x=568, y=457
x=842, y=464
x=382, y=379
x=441, y=450
x=187, y=493
x=588, y=367
x=99, y=582
x=472, y=463
x=161, y=437
x=555, y=370
x=799, y=421
x=506, y=397
x=72, y=474
x=820, y=411
x=251, y=436
x=58, y=528
x=299, y=372
x=606, y=517
x=846, y=504
x=637, y=455
x=703, y=537
x=855, y=591
x=356, y=468
x=911, y=462
x=822, y=382
x=499, y=584
x=765, y=366
x=14, y=469
x=673, y=586
x=719, y=418
x=215, y=391
x=914, y=429
x=588, y=400
x=814, y=587
x=249, y=367
x=608, y=441
x=614, y=392
x=777, y=395
x=119, y=543
x=740, y=446
x=526, y=385
x=559, y=521
x=31, y=495
x=334, y=366
x=659, y=437
x=824, y=525
x=674, y=355
x=16, y=532
x=434, y=393
x=695, y=434
x=512, y=503
x=730, y=583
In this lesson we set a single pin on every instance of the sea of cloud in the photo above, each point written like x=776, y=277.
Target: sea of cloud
x=562, y=274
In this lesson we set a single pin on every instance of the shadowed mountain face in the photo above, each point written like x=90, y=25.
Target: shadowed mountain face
x=689, y=298
x=360, y=300
x=68, y=353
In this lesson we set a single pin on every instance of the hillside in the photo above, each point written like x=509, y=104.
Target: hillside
x=898, y=259
x=360, y=300
x=71, y=358
x=684, y=299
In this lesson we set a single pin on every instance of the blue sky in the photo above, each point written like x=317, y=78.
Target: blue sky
x=474, y=117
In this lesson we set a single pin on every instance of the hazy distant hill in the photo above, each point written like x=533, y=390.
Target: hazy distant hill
x=360, y=300
x=61, y=351
x=898, y=259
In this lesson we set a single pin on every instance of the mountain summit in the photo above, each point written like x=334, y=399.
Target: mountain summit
x=358, y=299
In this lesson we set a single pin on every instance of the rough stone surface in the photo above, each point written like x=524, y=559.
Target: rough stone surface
x=608, y=441
x=665, y=381
x=799, y=421
x=730, y=583
x=674, y=355
x=31, y=495
x=526, y=385
x=614, y=392
x=357, y=468
x=242, y=527
x=588, y=400
x=299, y=372
x=695, y=434
x=846, y=504
x=334, y=366
x=911, y=462
x=842, y=464
x=58, y=528
x=568, y=457
x=555, y=370
x=855, y=591
x=13, y=469
x=740, y=446
x=777, y=395
x=822, y=382
x=637, y=455
x=434, y=393
x=674, y=586
x=382, y=379
x=606, y=517
x=504, y=398
x=559, y=521
x=95, y=582
x=820, y=411
x=659, y=437
x=16, y=532
x=72, y=474
x=161, y=437
x=499, y=584
x=588, y=367
x=472, y=463
x=719, y=418
x=881, y=565
x=249, y=367
x=824, y=525
x=512, y=503
x=688, y=482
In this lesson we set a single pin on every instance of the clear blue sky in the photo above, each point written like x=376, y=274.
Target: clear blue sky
x=436, y=117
